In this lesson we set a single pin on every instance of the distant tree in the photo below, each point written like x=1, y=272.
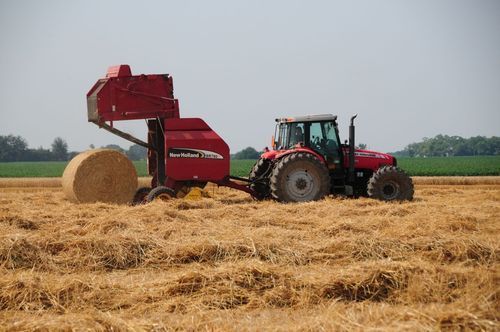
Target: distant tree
x=247, y=153
x=362, y=146
x=72, y=154
x=479, y=145
x=402, y=153
x=462, y=148
x=91, y=146
x=444, y=145
x=113, y=147
x=59, y=149
x=12, y=148
x=137, y=152
x=39, y=154
x=495, y=145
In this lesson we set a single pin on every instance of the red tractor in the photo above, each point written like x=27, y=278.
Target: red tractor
x=307, y=161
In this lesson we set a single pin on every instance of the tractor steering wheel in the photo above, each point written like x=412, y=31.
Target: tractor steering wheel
x=316, y=143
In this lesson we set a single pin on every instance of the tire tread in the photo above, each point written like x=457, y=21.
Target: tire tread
x=393, y=173
x=279, y=193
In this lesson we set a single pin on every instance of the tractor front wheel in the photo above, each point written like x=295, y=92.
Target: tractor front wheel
x=390, y=183
x=299, y=177
x=259, y=178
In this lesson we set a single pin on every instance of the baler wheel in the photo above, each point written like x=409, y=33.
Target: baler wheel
x=140, y=195
x=299, y=177
x=160, y=192
x=390, y=183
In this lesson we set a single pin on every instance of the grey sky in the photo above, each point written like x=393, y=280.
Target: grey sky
x=409, y=68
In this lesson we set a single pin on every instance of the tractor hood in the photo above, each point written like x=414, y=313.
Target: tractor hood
x=363, y=159
x=368, y=159
x=371, y=154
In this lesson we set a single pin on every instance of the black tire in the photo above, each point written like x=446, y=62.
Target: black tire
x=390, y=183
x=140, y=195
x=160, y=192
x=299, y=177
x=260, y=182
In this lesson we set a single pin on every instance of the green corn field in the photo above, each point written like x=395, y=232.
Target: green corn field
x=433, y=166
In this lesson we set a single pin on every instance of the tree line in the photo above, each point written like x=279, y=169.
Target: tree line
x=447, y=146
x=438, y=146
x=15, y=148
x=246, y=153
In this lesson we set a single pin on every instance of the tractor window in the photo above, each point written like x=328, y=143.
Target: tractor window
x=282, y=136
x=296, y=134
x=323, y=139
x=316, y=137
x=315, y=134
x=331, y=142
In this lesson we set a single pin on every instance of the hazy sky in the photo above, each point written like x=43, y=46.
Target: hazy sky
x=410, y=69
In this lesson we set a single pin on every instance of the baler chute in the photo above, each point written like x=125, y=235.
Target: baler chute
x=120, y=96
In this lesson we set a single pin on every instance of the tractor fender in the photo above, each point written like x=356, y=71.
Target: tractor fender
x=275, y=155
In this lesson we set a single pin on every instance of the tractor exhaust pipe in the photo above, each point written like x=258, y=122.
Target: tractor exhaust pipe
x=351, y=177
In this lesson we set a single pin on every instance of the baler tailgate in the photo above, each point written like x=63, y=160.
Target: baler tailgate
x=92, y=111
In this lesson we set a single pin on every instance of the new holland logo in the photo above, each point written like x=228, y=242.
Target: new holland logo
x=192, y=153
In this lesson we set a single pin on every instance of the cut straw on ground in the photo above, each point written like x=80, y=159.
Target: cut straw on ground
x=146, y=181
x=227, y=262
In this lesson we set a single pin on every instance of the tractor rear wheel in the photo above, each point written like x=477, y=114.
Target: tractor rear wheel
x=260, y=182
x=299, y=177
x=390, y=183
x=160, y=192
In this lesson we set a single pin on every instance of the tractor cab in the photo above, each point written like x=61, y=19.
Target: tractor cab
x=316, y=132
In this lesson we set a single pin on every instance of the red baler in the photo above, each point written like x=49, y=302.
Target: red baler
x=182, y=152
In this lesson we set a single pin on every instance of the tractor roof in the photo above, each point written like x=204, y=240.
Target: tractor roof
x=309, y=118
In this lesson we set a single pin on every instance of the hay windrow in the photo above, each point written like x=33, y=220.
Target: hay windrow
x=231, y=263
x=100, y=175
x=486, y=181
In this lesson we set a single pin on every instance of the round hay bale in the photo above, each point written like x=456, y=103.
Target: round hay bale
x=100, y=175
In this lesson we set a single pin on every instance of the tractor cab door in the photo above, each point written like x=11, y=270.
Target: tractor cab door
x=289, y=135
x=323, y=138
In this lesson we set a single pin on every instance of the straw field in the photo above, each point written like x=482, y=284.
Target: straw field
x=230, y=263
